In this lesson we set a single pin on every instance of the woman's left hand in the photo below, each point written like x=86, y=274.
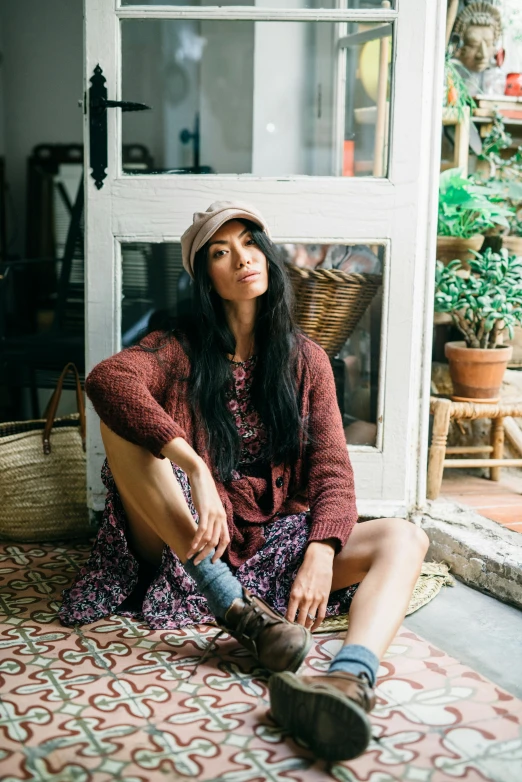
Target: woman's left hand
x=311, y=588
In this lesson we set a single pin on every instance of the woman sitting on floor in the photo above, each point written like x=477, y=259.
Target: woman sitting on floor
x=230, y=493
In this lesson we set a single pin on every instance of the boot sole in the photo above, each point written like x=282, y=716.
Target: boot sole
x=332, y=725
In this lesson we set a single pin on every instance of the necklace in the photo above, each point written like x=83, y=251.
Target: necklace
x=240, y=363
x=250, y=355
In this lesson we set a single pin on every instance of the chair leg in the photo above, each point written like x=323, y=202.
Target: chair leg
x=497, y=441
x=437, y=454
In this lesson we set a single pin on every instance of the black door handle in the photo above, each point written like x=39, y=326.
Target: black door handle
x=101, y=104
x=98, y=105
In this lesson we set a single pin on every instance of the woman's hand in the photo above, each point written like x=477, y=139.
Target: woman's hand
x=312, y=586
x=212, y=529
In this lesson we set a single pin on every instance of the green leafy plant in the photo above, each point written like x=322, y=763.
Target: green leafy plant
x=515, y=226
x=484, y=301
x=505, y=171
x=467, y=208
x=456, y=94
x=503, y=167
x=508, y=193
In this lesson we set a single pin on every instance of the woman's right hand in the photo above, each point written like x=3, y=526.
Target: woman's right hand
x=212, y=532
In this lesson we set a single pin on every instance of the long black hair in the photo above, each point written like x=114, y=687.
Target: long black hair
x=208, y=339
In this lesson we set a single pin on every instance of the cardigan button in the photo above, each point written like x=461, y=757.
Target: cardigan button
x=279, y=482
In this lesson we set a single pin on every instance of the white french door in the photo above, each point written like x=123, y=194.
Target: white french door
x=323, y=114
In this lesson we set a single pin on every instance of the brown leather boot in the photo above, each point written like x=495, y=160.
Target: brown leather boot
x=278, y=644
x=329, y=713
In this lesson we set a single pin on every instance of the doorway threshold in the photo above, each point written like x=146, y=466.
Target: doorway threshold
x=480, y=552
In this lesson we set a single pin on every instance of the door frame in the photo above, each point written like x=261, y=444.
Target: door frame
x=399, y=210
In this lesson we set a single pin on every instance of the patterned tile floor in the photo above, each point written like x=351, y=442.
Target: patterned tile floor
x=500, y=501
x=117, y=701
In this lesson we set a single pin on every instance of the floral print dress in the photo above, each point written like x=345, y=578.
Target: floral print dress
x=172, y=600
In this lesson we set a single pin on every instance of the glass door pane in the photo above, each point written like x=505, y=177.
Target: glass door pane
x=156, y=288
x=318, y=105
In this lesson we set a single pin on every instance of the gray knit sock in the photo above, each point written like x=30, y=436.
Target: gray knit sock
x=216, y=582
x=356, y=659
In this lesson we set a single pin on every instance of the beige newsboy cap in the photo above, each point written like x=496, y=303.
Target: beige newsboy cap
x=205, y=224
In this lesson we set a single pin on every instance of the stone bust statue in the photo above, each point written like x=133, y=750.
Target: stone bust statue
x=479, y=27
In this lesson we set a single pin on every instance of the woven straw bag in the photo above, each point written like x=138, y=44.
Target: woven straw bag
x=43, y=474
x=329, y=303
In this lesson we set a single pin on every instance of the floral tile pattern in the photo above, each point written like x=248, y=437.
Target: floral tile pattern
x=117, y=701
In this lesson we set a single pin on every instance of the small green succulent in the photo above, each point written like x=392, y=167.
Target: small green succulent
x=484, y=301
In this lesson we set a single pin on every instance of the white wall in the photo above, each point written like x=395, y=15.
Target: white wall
x=321, y=104
x=294, y=72
x=43, y=67
x=280, y=93
x=226, y=81
x=180, y=52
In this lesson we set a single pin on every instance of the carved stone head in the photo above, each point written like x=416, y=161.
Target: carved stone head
x=479, y=26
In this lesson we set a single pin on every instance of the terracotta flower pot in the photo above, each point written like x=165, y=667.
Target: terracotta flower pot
x=513, y=244
x=451, y=247
x=476, y=373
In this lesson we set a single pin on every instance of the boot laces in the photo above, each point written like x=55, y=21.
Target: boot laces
x=210, y=648
x=253, y=620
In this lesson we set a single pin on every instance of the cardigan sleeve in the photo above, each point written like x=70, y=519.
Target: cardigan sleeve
x=127, y=391
x=331, y=491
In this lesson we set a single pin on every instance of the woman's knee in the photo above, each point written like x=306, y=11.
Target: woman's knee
x=117, y=447
x=111, y=437
x=402, y=534
x=111, y=440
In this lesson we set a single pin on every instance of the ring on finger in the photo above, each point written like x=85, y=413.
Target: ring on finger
x=312, y=618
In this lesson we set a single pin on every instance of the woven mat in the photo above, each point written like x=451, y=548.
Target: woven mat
x=434, y=575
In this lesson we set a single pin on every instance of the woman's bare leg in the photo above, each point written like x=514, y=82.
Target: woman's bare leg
x=329, y=711
x=385, y=556
x=156, y=509
x=158, y=513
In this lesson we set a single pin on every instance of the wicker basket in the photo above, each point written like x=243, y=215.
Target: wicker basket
x=329, y=303
x=42, y=474
x=42, y=496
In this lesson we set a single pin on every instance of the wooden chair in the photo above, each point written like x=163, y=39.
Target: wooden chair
x=443, y=411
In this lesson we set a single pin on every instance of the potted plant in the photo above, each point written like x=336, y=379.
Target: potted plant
x=504, y=173
x=484, y=302
x=467, y=210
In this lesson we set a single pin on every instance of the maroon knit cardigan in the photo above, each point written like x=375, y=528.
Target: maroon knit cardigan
x=143, y=397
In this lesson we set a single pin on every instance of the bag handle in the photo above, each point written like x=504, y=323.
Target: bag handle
x=52, y=407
